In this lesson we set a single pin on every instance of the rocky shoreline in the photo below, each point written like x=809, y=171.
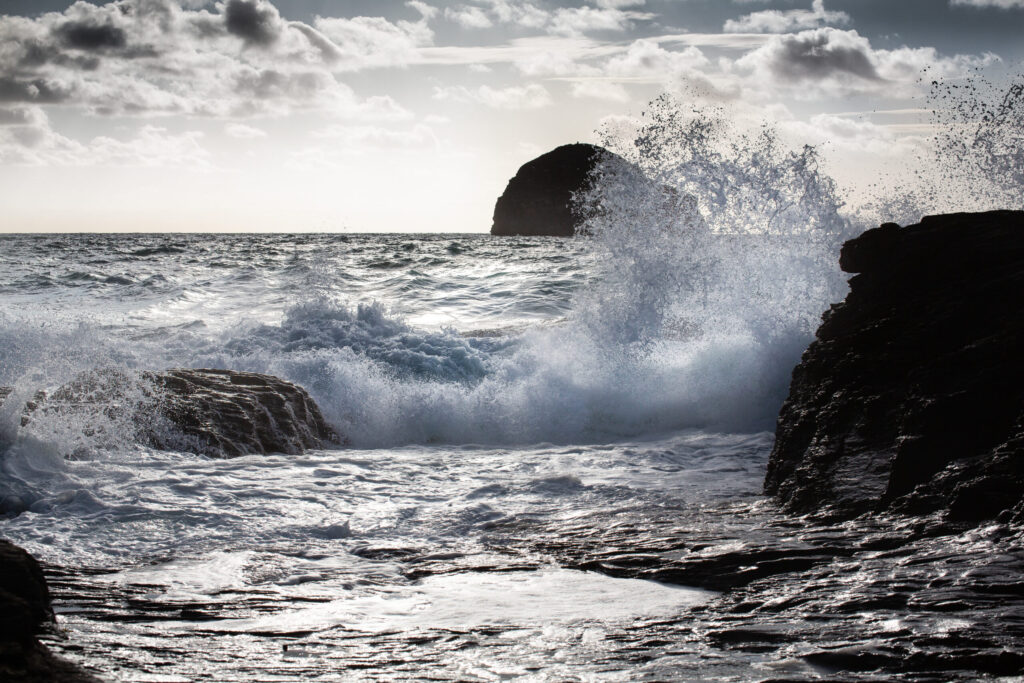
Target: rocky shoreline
x=894, y=546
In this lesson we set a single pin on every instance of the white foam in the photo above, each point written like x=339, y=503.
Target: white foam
x=527, y=599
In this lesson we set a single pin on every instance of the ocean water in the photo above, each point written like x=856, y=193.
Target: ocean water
x=538, y=431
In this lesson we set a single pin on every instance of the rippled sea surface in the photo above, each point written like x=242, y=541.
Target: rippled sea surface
x=530, y=490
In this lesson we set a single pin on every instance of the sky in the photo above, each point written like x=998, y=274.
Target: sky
x=392, y=115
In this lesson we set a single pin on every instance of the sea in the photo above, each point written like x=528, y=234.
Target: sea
x=535, y=429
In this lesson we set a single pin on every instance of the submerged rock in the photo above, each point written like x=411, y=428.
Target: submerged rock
x=538, y=200
x=25, y=612
x=912, y=396
x=220, y=413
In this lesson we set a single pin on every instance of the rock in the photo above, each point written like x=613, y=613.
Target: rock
x=911, y=397
x=220, y=413
x=538, y=200
x=25, y=612
x=228, y=413
x=24, y=597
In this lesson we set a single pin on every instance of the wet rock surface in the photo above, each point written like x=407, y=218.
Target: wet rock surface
x=878, y=598
x=229, y=413
x=912, y=396
x=220, y=413
x=538, y=199
x=25, y=614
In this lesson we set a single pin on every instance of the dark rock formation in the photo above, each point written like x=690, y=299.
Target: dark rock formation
x=221, y=413
x=24, y=597
x=538, y=199
x=912, y=396
x=228, y=413
x=25, y=613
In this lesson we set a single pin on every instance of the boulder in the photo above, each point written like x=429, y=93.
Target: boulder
x=228, y=413
x=220, y=413
x=538, y=200
x=911, y=398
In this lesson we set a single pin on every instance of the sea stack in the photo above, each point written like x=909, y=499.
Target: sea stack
x=911, y=398
x=538, y=200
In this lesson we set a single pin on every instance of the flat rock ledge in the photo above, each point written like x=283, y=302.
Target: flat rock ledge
x=911, y=398
x=219, y=413
x=25, y=613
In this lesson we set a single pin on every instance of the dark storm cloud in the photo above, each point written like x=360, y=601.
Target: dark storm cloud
x=252, y=21
x=816, y=55
x=37, y=91
x=85, y=36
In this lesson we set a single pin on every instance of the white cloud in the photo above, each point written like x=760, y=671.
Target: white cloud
x=600, y=90
x=374, y=42
x=244, y=132
x=780, y=21
x=527, y=54
x=1001, y=4
x=647, y=58
x=426, y=11
x=531, y=96
x=358, y=137
x=26, y=138
x=156, y=57
x=524, y=14
x=619, y=4
x=607, y=15
x=574, y=21
x=468, y=16
x=829, y=61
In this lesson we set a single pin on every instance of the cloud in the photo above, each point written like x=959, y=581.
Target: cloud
x=468, y=16
x=834, y=62
x=356, y=137
x=574, y=21
x=236, y=58
x=619, y=4
x=645, y=58
x=243, y=132
x=426, y=11
x=600, y=90
x=1000, y=4
x=854, y=136
x=22, y=116
x=26, y=138
x=374, y=42
x=532, y=96
x=85, y=36
x=815, y=56
x=607, y=15
x=36, y=90
x=255, y=21
x=779, y=21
